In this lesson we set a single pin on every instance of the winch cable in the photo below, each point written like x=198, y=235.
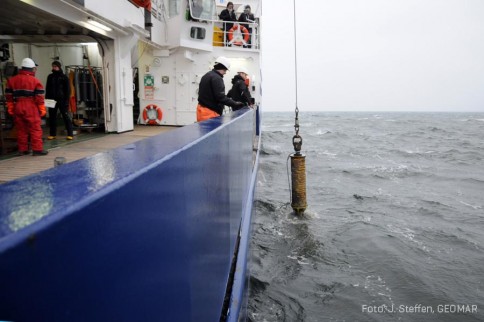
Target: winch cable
x=298, y=160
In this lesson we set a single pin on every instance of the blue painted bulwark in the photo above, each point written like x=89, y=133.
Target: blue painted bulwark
x=145, y=232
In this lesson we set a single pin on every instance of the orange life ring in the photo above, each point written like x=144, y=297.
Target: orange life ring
x=142, y=3
x=152, y=114
x=237, y=39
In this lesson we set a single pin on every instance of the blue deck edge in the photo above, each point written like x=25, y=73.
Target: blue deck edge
x=144, y=232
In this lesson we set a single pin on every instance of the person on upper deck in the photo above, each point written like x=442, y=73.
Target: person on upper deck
x=240, y=91
x=228, y=14
x=211, y=92
x=249, y=20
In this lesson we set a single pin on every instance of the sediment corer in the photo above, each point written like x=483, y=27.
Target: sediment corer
x=298, y=172
x=298, y=177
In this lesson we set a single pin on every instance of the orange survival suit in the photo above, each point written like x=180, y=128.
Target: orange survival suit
x=25, y=102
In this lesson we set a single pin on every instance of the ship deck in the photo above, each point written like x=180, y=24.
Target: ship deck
x=84, y=145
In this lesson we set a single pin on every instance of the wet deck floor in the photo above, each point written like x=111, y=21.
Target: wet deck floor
x=86, y=144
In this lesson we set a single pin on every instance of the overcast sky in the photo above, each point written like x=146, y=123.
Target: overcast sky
x=374, y=55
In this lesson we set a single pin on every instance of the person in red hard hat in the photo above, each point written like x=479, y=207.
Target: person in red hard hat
x=25, y=102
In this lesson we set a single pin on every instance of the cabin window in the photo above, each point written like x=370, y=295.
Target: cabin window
x=197, y=33
x=203, y=10
x=159, y=11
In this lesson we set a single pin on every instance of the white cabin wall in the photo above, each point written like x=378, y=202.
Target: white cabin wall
x=191, y=66
x=122, y=13
x=158, y=34
x=94, y=56
x=160, y=95
x=183, y=68
x=20, y=51
x=117, y=65
x=43, y=55
x=166, y=32
x=202, y=44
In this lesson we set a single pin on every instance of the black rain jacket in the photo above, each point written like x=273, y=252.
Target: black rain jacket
x=211, y=92
x=57, y=88
x=239, y=92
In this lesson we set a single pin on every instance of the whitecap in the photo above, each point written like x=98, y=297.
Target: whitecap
x=376, y=286
x=408, y=234
x=327, y=153
x=469, y=205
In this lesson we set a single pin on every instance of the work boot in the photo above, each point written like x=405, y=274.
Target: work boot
x=43, y=152
x=51, y=137
x=23, y=152
x=69, y=138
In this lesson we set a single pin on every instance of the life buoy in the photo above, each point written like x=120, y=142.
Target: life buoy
x=152, y=114
x=238, y=35
x=142, y=3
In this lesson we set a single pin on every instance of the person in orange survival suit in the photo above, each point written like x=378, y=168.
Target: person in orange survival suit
x=25, y=102
x=211, y=92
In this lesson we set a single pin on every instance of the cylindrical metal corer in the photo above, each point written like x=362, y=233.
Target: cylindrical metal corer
x=298, y=178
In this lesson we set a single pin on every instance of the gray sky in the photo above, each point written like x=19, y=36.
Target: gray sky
x=374, y=55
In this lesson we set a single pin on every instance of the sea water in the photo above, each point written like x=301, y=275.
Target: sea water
x=394, y=229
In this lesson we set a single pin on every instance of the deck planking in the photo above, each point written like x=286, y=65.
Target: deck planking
x=21, y=166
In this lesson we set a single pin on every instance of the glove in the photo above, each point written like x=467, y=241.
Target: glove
x=10, y=107
x=42, y=110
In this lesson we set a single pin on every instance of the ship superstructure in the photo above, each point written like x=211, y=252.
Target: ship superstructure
x=131, y=61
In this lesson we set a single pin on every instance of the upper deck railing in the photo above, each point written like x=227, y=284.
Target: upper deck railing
x=236, y=35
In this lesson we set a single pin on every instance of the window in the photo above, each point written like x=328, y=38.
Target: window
x=203, y=10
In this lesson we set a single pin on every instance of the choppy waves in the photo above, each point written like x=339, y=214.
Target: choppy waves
x=395, y=217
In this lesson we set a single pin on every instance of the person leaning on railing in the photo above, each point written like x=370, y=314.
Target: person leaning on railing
x=211, y=92
x=247, y=16
x=239, y=91
x=227, y=15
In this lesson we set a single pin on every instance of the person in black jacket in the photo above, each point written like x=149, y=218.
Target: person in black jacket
x=211, y=92
x=240, y=91
x=228, y=14
x=249, y=19
x=57, y=88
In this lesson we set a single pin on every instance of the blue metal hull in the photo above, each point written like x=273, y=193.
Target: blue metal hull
x=145, y=232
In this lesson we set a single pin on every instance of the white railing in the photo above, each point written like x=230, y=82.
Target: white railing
x=236, y=35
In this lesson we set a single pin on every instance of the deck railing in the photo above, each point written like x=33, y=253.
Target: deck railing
x=144, y=232
x=236, y=35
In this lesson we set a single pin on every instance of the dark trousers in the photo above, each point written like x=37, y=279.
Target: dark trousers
x=53, y=120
